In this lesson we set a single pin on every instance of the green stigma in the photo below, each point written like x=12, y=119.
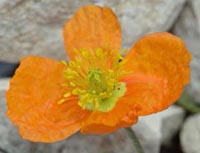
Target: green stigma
x=103, y=91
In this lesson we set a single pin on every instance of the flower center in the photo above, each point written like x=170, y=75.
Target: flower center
x=94, y=78
x=103, y=91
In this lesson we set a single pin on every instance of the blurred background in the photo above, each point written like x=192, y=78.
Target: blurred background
x=34, y=27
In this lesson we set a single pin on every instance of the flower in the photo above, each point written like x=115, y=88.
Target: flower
x=97, y=91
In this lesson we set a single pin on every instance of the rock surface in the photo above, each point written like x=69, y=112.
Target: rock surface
x=172, y=121
x=159, y=128
x=4, y=83
x=196, y=6
x=188, y=28
x=35, y=26
x=190, y=135
x=139, y=17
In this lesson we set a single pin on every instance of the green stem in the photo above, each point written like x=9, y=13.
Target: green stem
x=188, y=103
x=135, y=140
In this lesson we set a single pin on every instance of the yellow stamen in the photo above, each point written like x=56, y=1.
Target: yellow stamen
x=66, y=95
x=93, y=76
x=61, y=101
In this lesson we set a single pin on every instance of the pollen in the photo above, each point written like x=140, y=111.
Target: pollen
x=93, y=77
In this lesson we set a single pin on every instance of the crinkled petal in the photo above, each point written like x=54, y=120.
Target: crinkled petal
x=90, y=28
x=98, y=128
x=164, y=60
x=122, y=115
x=32, y=101
x=145, y=92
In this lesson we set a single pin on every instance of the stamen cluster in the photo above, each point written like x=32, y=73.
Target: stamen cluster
x=93, y=77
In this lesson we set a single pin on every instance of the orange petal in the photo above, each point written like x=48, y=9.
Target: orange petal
x=90, y=28
x=144, y=92
x=164, y=60
x=98, y=128
x=105, y=122
x=32, y=100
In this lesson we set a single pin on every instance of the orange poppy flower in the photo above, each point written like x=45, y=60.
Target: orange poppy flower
x=97, y=91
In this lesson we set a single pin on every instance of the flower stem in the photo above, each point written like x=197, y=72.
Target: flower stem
x=188, y=103
x=135, y=140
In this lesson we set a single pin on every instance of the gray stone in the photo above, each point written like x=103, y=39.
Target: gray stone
x=187, y=24
x=159, y=128
x=190, y=135
x=35, y=26
x=188, y=28
x=78, y=143
x=4, y=83
x=172, y=121
x=196, y=7
x=112, y=143
x=139, y=17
